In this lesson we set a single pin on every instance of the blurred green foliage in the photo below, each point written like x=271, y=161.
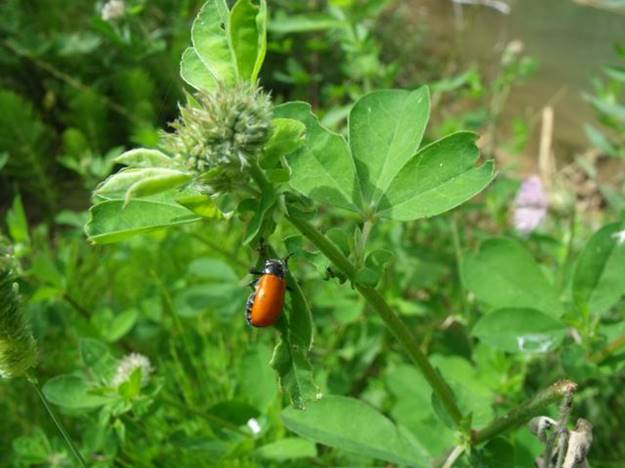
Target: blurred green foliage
x=501, y=315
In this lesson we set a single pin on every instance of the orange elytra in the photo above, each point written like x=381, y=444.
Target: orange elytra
x=266, y=302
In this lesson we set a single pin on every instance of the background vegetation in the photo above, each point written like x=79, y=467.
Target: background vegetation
x=143, y=348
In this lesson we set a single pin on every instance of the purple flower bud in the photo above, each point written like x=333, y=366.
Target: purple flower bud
x=530, y=205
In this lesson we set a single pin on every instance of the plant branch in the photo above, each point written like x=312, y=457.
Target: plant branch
x=375, y=299
x=391, y=319
x=57, y=423
x=523, y=413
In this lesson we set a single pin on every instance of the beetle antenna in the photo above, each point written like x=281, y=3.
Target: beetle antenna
x=285, y=260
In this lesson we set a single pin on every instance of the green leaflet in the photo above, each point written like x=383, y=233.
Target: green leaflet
x=247, y=31
x=322, y=167
x=520, y=330
x=382, y=172
x=110, y=221
x=503, y=274
x=598, y=280
x=211, y=45
x=351, y=425
x=194, y=72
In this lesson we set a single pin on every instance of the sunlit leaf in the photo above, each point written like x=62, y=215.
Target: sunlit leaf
x=351, y=425
x=290, y=448
x=440, y=177
x=322, y=168
x=194, y=72
x=211, y=44
x=503, y=274
x=520, y=330
x=71, y=391
x=144, y=158
x=598, y=280
x=385, y=131
x=110, y=221
x=247, y=28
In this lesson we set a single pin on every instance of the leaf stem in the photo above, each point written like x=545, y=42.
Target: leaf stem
x=375, y=299
x=523, y=413
x=391, y=319
x=68, y=441
x=610, y=349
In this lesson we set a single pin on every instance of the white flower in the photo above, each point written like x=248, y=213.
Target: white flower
x=530, y=205
x=620, y=237
x=128, y=365
x=113, y=9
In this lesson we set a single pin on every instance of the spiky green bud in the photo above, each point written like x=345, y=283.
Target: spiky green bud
x=18, y=351
x=227, y=128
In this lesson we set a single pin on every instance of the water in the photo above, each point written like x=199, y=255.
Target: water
x=570, y=41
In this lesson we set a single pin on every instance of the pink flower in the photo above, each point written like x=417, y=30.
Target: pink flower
x=530, y=205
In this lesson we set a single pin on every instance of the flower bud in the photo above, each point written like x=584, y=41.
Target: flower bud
x=226, y=128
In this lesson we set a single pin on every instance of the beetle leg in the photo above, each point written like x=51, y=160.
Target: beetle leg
x=256, y=272
x=248, y=307
x=253, y=283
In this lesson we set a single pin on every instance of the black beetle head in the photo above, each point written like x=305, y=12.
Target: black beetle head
x=276, y=267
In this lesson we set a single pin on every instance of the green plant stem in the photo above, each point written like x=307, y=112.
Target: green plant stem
x=455, y=236
x=68, y=441
x=610, y=349
x=375, y=299
x=390, y=318
x=523, y=413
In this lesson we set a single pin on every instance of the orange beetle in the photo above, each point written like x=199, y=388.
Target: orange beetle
x=265, y=304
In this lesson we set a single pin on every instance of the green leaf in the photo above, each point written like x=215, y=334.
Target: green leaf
x=351, y=425
x=322, y=168
x=17, y=222
x=615, y=72
x=303, y=23
x=212, y=269
x=236, y=412
x=600, y=140
x=4, y=158
x=520, y=330
x=95, y=356
x=194, y=72
x=119, y=184
x=71, y=391
x=145, y=158
x=295, y=372
x=164, y=180
x=385, y=131
x=287, y=137
x=222, y=299
x=609, y=109
x=440, y=177
x=247, y=29
x=290, y=448
x=119, y=325
x=497, y=452
x=257, y=382
x=598, y=280
x=211, y=43
x=267, y=202
x=503, y=274
x=110, y=222
x=202, y=205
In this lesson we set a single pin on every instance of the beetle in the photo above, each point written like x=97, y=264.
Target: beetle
x=266, y=302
